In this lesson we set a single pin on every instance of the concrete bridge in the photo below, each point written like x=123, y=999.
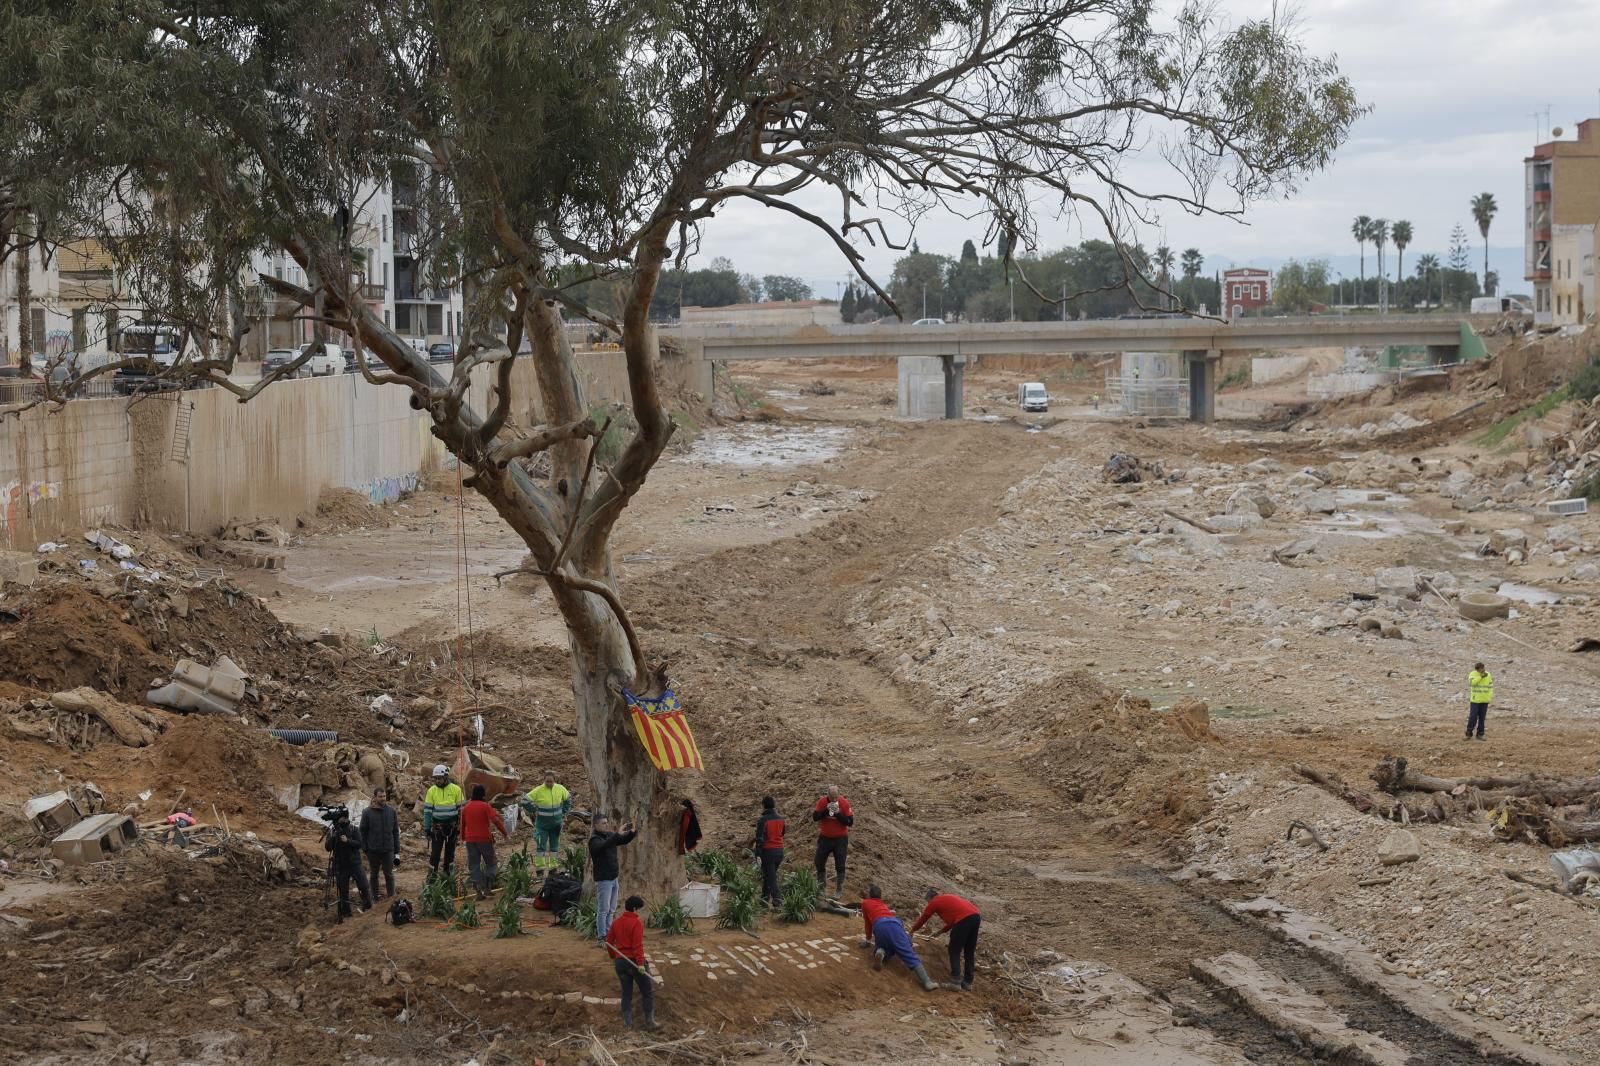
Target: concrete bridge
x=1201, y=340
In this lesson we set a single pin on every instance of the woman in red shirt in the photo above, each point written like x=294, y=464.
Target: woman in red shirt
x=625, y=942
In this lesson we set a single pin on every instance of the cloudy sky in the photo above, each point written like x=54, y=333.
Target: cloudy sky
x=1453, y=88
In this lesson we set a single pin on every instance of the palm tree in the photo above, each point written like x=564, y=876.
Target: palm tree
x=1164, y=260
x=1193, y=261
x=1400, y=232
x=1483, y=209
x=1378, y=233
x=1427, y=267
x=1361, y=229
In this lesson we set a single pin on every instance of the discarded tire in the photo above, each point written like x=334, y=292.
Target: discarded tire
x=1482, y=606
x=304, y=736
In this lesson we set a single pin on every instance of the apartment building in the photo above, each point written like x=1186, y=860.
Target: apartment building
x=78, y=297
x=1562, y=193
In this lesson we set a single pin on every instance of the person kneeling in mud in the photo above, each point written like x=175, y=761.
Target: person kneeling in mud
x=886, y=936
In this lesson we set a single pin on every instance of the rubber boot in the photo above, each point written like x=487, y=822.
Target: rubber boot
x=650, y=1021
x=921, y=974
x=877, y=960
x=627, y=1020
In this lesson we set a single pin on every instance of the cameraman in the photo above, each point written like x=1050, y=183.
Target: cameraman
x=343, y=841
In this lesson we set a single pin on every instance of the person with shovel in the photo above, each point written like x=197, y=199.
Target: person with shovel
x=625, y=942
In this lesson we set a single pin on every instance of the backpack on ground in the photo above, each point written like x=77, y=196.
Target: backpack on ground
x=558, y=893
x=400, y=912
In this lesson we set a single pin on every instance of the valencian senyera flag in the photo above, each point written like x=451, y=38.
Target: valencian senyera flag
x=664, y=731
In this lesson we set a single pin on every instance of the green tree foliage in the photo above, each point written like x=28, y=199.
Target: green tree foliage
x=1299, y=285
x=1401, y=235
x=1483, y=212
x=969, y=251
x=784, y=287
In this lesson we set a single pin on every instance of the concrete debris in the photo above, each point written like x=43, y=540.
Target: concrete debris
x=1296, y=548
x=1318, y=503
x=1251, y=501
x=1399, y=581
x=214, y=689
x=1398, y=848
x=1263, y=467
x=18, y=568
x=1502, y=541
x=94, y=839
x=1482, y=606
x=52, y=813
x=133, y=726
x=1563, y=538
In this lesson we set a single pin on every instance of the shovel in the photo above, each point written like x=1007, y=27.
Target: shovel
x=646, y=974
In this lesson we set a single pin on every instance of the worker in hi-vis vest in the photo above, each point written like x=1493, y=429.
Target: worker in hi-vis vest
x=1480, y=688
x=549, y=803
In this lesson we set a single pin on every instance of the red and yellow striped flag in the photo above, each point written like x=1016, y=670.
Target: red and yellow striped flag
x=664, y=731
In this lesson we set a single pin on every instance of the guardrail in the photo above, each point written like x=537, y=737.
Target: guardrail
x=15, y=390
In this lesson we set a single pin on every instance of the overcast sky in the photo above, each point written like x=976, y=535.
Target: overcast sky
x=1453, y=86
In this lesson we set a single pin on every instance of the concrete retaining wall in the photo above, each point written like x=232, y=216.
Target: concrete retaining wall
x=1265, y=369
x=112, y=460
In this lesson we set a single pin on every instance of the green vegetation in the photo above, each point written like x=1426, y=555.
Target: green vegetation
x=715, y=864
x=1239, y=375
x=516, y=876
x=670, y=917
x=466, y=915
x=438, y=898
x=1585, y=385
x=508, y=917
x=1506, y=426
x=801, y=894
x=741, y=901
x=574, y=860
x=583, y=917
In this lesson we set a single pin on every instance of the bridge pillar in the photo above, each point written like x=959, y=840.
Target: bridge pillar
x=955, y=370
x=1202, y=383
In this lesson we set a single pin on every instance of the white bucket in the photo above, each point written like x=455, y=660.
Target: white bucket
x=701, y=900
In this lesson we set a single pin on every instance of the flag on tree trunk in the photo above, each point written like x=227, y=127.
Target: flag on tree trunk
x=664, y=731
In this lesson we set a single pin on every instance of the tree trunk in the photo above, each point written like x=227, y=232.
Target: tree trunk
x=628, y=786
x=25, y=338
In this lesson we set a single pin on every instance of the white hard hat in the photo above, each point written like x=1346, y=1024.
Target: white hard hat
x=441, y=771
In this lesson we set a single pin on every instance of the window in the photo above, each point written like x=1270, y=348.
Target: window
x=384, y=225
x=402, y=319
x=1255, y=292
x=37, y=318
x=386, y=321
x=386, y=277
x=1238, y=291
x=111, y=328
x=80, y=329
x=435, y=319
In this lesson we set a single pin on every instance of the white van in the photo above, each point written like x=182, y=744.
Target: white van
x=325, y=363
x=1499, y=305
x=1032, y=397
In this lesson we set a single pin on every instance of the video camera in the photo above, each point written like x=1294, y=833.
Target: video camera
x=333, y=815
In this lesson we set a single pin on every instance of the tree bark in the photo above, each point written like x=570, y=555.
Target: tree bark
x=25, y=338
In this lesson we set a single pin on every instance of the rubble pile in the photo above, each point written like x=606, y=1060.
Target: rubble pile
x=1438, y=906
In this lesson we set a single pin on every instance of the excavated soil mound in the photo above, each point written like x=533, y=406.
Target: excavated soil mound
x=341, y=510
x=73, y=634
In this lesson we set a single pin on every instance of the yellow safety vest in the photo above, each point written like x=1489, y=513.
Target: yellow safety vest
x=443, y=804
x=551, y=802
x=1482, y=686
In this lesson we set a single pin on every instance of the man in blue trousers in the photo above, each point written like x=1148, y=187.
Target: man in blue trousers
x=887, y=936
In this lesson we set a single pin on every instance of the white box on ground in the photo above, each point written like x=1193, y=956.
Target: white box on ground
x=701, y=900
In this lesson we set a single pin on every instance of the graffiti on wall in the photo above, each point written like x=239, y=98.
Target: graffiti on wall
x=389, y=489
x=18, y=499
x=57, y=343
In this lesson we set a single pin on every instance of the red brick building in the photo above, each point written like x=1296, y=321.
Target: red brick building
x=1245, y=289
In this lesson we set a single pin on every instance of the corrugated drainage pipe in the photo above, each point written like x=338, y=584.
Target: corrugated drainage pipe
x=304, y=736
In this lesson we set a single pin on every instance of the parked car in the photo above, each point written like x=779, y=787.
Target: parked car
x=928, y=322
x=277, y=359
x=325, y=363
x=441, y=353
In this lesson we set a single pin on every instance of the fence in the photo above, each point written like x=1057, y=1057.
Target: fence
x=1148, y=397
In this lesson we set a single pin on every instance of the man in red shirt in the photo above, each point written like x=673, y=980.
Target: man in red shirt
x=834, y=818
x=625, y=942
x=961, y=921
x=476, y=819
x=769, y=849
x=886, y=936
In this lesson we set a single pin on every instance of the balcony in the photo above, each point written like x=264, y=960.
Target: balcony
x=373, y=292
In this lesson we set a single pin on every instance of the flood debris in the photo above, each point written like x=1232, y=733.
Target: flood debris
x=214, y=689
